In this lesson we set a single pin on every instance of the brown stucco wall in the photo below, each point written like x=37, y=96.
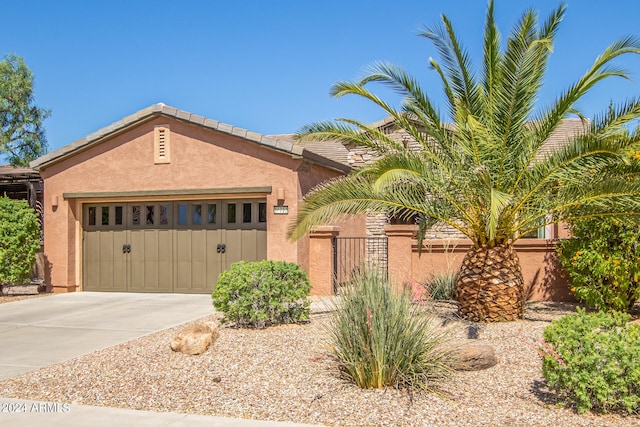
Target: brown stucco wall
x=310, y=176
x=200, y=159
x=541, y=270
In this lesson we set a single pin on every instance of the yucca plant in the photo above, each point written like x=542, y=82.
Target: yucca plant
x=381, y=340
x=484, y=173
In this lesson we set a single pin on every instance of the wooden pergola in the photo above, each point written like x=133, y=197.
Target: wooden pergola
x=21, y=183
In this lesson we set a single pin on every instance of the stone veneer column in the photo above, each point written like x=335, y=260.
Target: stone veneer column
x=321, y=259
x=400, y=243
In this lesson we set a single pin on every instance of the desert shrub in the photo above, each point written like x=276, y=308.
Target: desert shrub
x=381, y=340
x=258, y=294
x=442, y=286
x=593, y=360
x=19, y=240
x=603, y=262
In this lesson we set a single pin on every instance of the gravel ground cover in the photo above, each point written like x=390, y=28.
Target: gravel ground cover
x=284, y=373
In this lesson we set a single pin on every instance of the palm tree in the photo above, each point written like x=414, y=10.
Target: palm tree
x=483, y=173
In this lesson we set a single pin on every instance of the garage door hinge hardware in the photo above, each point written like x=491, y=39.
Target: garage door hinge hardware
x=126, y=249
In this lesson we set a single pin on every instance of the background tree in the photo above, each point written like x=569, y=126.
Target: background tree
x=22, y=137
x=483, y=174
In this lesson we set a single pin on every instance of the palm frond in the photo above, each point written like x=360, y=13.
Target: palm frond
x=348, y=132
x=498, y=201
x=403, y=83
x=457, y=63
x=451, y=97
x=341, y=89
x=491, y=66
x=551, y=117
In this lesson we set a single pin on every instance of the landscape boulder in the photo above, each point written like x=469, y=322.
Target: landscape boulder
x=474, y=356
x=196, y=339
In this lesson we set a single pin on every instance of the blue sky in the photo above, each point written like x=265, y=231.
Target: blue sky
x=267, y=66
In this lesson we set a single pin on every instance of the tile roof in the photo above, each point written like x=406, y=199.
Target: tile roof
x=333, y=150
x=159, y=109
x=566, y=130
x=356, y=156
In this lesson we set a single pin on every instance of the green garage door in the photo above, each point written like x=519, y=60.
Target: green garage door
x=177, y=246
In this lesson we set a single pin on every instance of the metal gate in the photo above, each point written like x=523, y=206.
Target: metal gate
x=352, y=255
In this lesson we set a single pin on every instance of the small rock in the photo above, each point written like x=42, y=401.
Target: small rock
x=196, y=339
x=474, y=357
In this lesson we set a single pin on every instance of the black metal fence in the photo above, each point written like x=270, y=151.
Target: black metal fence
x=354, y=254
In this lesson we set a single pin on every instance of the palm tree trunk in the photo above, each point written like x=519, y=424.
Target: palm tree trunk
x=490, y=287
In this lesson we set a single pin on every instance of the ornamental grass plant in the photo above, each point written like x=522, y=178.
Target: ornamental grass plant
x=442, y=287
x=382, y=340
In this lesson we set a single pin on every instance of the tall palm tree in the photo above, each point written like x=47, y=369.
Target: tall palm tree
x=483, y=173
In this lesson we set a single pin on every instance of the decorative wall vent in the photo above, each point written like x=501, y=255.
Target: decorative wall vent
x=162, y=144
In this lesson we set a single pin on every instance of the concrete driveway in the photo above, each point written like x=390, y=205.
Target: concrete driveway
x=42, y=331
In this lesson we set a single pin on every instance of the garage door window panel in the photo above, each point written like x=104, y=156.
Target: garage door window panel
x=150, y=214
x=231, y=213
x=211, y=213
x=118, y=215
x=246, y=213
x=182, y=214
x=164, y=214
x=197, y=214
x=91, y=216
x=262, y=212
x=105, y=215
x=135, y=215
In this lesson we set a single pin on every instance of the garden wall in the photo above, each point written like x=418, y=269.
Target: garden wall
x=541, y=269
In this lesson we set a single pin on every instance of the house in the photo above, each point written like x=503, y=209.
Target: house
x=164, y=200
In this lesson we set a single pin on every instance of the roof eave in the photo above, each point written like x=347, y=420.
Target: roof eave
x=327, y=163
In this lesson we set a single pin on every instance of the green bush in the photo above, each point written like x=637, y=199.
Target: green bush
x=19, y=240
x=381, y=340
x=603, y=262
x=258, y=294
x=442, y=286
x=593, y=360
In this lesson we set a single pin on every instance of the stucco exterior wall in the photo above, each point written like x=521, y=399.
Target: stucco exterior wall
x=310, y=176
x=200, y=159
